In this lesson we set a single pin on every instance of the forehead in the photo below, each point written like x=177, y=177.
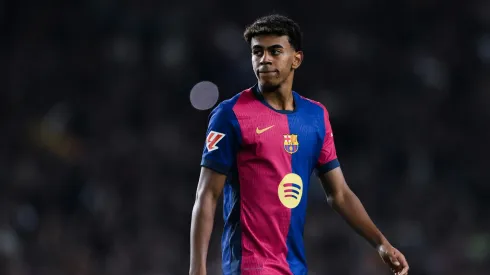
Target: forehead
x=270, y=40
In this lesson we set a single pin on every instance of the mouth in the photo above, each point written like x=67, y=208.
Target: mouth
x=268, y=72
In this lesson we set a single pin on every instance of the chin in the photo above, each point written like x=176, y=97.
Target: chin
x=269, y=82
x=269, y=85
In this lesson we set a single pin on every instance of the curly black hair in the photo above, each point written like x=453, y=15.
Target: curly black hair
x=276, y=24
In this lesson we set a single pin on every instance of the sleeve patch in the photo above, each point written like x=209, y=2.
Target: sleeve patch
x=212, y=140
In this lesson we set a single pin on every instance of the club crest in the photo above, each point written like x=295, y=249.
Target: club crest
x=291, y=143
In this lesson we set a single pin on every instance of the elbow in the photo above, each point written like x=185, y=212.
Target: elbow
x=335, y=200
x=205, y=198
x=339, y=198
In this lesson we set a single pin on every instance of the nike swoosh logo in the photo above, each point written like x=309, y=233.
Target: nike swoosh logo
x=260, y=131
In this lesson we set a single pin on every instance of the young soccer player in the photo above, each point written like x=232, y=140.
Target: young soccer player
x=261, y=147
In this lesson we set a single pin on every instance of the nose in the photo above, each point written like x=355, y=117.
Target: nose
x=265, y=59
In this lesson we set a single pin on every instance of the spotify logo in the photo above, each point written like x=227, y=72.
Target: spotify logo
x=290, y=190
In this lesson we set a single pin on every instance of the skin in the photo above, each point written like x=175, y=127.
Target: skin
x=274, y=62
x=209, y=189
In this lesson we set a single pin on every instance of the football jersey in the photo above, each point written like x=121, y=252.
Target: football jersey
x=268, y=156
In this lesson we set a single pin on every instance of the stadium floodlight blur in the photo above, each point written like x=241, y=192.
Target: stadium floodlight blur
x=204, y=95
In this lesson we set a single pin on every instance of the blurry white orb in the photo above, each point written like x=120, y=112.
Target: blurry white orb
x=204, y=95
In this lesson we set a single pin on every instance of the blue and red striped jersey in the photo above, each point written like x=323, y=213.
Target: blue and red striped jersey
x=268, y=156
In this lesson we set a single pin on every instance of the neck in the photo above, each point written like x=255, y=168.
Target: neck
x=279, y=97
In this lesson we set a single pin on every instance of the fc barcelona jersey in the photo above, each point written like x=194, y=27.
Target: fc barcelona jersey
x=268, y=156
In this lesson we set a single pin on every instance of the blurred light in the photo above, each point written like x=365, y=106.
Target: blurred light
x=9, y=243
x=484, y=48
x=346, y=44
x=57, y=118
x=478, y=247
x=204, y=95
x=230, y=42
x=53, y=132
x=431, y=71
x=27, y=218
x=125, y=50
x=173, y=53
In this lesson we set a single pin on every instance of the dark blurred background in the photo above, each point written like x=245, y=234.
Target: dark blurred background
x=100, y=146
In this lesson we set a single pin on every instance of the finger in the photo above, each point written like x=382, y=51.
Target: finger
x=394, y=260
x=402, y=260
x=395, y=268
x=405, y=266
x=404, y=271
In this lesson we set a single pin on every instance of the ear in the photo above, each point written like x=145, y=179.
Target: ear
x=297, y=59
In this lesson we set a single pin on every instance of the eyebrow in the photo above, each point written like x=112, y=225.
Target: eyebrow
x=276, y=46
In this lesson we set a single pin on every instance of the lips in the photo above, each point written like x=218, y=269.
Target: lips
x=267, y=71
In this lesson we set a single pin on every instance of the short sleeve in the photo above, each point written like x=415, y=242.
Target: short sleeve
x=327, y=159
x=222, y=140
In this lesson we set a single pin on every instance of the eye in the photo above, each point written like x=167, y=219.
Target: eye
x=257, y=52
x=275, y=52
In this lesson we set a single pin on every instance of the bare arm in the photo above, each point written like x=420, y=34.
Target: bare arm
x=348, y=205
x=208, y=192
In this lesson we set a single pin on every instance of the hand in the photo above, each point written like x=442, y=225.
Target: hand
x=394, y=259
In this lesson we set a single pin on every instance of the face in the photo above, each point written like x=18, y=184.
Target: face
x=274, y=59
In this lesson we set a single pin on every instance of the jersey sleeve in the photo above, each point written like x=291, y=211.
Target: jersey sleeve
x=222, y=140
x=327, y=159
